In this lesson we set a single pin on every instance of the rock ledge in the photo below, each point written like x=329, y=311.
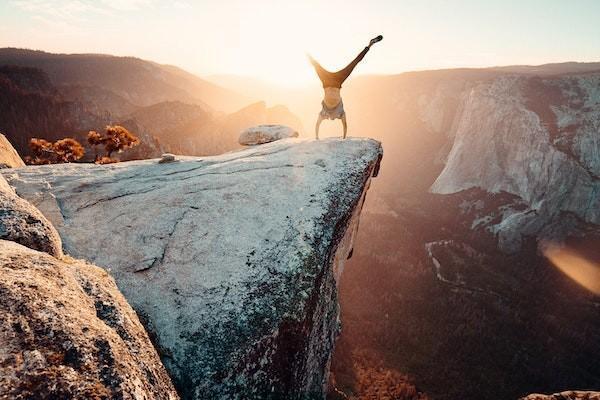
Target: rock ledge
x=231, y=261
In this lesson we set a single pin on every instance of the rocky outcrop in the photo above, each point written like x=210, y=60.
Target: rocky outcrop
x=568, y=395
x=67, y=332
x=23, y=223
x=65, y=329
x=535, y=139
x=9, y=158
x=230, y=260
x=262, y=134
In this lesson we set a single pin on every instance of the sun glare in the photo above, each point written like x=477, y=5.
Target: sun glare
x=581, y=270
x=274, y=43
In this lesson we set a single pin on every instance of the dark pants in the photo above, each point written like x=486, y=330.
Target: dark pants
x=335, y=79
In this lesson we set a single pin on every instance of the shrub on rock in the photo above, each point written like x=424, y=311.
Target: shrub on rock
x=62, y=151
x=114, y=139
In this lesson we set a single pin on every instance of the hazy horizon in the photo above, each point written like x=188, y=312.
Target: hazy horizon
x=268, y=40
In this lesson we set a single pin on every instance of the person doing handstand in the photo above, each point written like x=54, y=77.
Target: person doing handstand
x=333, y=107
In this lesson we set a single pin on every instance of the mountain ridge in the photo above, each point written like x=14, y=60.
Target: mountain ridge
x=64, y=69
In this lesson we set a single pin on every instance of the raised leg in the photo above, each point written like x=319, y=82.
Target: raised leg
x=344, y=124
x=317, y=126
x=343, y=74
x=321, y=72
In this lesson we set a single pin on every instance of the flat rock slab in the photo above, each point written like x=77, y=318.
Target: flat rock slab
x=229, y=260
x=262, y=134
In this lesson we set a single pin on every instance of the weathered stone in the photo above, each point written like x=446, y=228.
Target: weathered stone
x=230, y=260
x=9, y=158
x=66, y=332
x=166, y=158
x=265, y=134
x=567, y=395
x=21, y=222
x=501, y=145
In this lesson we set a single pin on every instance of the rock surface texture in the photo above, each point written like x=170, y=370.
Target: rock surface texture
x=23, y=223
x=265, y=134
x=458, y=275
x=9, y=158
x=568, y=395
x=230, y=260
x=534, y=138
x=66, y=332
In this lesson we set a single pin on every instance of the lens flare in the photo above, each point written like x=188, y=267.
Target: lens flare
x=575, y=266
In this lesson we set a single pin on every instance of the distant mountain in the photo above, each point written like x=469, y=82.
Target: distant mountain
x=255, y=88
x=56, y=95
x=552, y=69
x=305, y=101
x=136, y=81
x=190, y=129
x=31, y=107
x=448, y=282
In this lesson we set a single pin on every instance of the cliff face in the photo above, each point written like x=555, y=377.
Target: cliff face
x=534, y=138
x=482, y=168
x=31, y=107
x=232, y=261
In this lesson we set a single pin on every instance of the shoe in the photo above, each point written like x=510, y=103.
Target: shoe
x=375, y=40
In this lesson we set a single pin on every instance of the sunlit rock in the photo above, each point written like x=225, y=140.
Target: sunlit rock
x=567, y=395
x=502, y=143
x=9, y=158
x=66, y=332
x=231, y=260
x=265, y=134
x=21, y=222
x=166, y=158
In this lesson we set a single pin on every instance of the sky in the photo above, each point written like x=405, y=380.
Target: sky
x=269, y=39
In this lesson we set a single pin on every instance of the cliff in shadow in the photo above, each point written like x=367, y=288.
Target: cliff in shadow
x=484, y=169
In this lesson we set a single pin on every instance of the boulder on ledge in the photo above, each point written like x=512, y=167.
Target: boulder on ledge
x=262, y=134
x=231, y=261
